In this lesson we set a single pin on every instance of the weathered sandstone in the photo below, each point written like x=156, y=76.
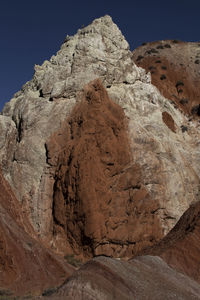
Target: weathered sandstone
x=180, y=248
x=156, y=162
x=26, y=266
x=175, y=71
x=145, y=277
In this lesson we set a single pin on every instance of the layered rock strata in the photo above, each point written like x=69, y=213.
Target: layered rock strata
x=180, y=248
x=145, y=277
x=168, y=270
x=26, y=266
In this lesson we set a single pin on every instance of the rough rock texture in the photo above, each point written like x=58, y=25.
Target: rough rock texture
x=26, y=267
x=165, y=157
x=144, y=277
x=97, y=51
x=180, y=248
x=100, y=204
x=175, y=71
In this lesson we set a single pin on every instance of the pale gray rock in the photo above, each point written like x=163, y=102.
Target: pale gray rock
x=169, y=161
x=145, y=277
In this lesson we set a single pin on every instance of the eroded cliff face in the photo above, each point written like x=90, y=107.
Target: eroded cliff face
x=180, y=248
x=175, y=71
x=145, y=277
x=168, y=270
x=110, y=197
x=26, y=266
x=100, y=204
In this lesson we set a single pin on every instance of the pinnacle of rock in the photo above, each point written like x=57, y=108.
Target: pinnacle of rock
x=96, y=51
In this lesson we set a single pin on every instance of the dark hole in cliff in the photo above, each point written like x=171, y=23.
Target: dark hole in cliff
x=184, y=101
x=184, y=128
x=41, y=93
x=160, y=47
x=152, y=68
x=139, y=58
x=179, y=83
x=20, y=130
x=162, y=77
x=196, y=110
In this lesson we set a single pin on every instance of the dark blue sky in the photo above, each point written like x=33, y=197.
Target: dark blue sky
x=32, y=31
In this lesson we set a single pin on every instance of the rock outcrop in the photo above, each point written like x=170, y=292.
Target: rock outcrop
x=100, y=163
x=180, y=248
x=26, y=266
x=157, y=169
x=175, y=71
x=168, y=270
x=98, y=200
x=145, y=277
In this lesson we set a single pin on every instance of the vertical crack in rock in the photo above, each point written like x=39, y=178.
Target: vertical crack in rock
x=99, y=203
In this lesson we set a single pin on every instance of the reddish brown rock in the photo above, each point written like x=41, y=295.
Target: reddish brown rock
x=26, y=267
x=100, y=205
x=174, y=67
x=147, y=276
x=168, y=120
x=181, y=247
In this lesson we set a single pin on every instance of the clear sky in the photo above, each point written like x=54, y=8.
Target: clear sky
x=32, y=31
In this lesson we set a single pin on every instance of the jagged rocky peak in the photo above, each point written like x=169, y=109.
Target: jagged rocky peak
x=96, y=51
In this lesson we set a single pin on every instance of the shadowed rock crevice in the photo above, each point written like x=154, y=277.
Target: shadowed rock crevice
x=99, y=201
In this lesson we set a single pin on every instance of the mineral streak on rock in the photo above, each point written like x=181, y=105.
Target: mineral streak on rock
x=99, y=202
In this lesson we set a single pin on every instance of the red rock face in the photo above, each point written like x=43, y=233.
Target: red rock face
x=168, y=120
x=180, y=248
x=99, y=203
x=26, y=267
x=174, y=67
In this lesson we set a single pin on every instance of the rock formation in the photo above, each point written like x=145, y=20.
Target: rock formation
x=26, y=266
x=174, y=68
x=163, y=163
x=180, y=248
x=153, y=275
x=98, y=188
x=145, y=277
x=100, y=162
